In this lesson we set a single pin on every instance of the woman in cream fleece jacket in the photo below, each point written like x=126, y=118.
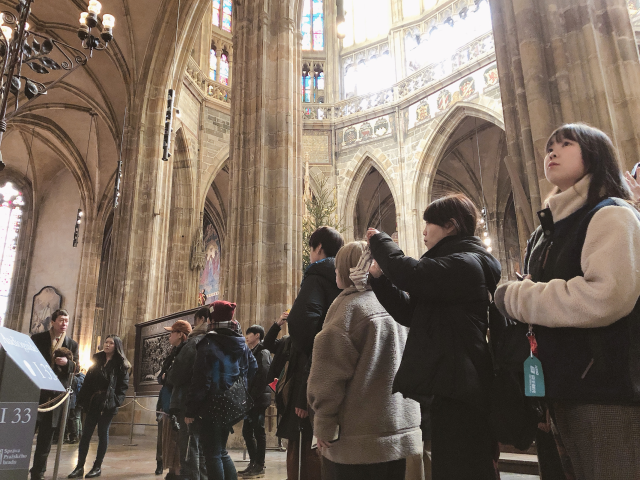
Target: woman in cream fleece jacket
x=581, y=295
x=362, y=428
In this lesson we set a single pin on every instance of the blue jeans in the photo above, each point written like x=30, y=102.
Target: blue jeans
x=103, y=421
x=213, y=438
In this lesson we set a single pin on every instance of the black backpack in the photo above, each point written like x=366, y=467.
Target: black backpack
x=513, y=416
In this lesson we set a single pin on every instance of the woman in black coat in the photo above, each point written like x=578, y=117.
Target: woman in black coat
x=102, y=393
x=443, y=298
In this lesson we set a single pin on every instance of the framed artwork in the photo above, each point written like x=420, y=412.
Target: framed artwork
x=45, y=302
x=210, y=276
x=152, y=347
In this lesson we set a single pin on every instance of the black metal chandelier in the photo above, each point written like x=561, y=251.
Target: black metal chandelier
x=20, y=47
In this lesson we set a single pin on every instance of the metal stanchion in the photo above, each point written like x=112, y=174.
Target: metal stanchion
x=133, y=417
x=62, y=426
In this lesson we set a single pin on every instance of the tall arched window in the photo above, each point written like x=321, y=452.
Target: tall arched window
x=224, y=68
x=312, y=25
x=11, y=203
x=221, y=17
x=213, y=62
x=366, y=20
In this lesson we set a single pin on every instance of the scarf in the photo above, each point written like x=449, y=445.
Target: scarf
x=56, y=345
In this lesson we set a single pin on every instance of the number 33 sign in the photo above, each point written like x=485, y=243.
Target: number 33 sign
x=17, y=424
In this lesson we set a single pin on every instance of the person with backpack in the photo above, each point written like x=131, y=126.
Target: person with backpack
x=580, y=298
x=74, y=420
x=223, y=361
x=253, y=431
x=443, y=298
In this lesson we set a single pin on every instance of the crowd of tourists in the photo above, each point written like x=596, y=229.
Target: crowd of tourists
x=419, y=368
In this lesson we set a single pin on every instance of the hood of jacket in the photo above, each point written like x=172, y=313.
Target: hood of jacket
x=458, y=244
x=325, y=268
x=229, y=342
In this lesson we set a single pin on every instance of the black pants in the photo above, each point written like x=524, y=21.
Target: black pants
x=394, y=470
x=103, y=421
x=74, y=428
x=254, y=436
x=462, y=446
x=43, y=444
x=192, y=461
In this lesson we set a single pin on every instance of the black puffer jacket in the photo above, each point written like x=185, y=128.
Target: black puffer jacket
x=443, y=299
x=258, y=387
x=318, y=290
x=105, y=385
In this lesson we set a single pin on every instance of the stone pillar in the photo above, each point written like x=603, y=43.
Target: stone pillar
x=562, y=61
x=264, y=235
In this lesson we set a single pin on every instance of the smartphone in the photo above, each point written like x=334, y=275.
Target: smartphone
x=634, y=171
x=519, y=276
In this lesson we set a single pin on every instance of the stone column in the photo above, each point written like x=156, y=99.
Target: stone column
x=264, y=235
x=562, y=61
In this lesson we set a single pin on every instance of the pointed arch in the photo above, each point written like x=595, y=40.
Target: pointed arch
x=352, y=181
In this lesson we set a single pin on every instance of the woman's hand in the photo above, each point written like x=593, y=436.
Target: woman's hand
x=374, y=270
x=634, y=186
x=188, y=420
x=283, y=318
x=322, y=445
x=302, y=413
x=370, y=233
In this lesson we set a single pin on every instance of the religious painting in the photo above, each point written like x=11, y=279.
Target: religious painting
x=210, y=276
x=366, y=132
x=350, y=136
x=423, y=112
x=467, y=87
x=381, y=127
x=444, y=99
x=154, y=350
x=45, y=302
x=491, y=76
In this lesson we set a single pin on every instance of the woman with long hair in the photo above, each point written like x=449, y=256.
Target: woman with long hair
x=443, y=298
x=581, y=299
x=102, y=393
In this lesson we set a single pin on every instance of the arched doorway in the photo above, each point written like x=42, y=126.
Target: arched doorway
x=375, y=206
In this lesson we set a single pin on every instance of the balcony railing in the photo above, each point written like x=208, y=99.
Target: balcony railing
x=210, y=88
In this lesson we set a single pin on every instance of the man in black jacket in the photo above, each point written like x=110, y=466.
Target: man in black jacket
x=317, y=292
x=253, y=427
x=47, y=343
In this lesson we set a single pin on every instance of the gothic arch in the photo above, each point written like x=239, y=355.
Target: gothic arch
x=210, y=174
x=352, y=183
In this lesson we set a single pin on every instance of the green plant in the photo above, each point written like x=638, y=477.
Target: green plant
x=320, y=212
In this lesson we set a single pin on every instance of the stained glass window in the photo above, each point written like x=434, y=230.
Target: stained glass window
x=213, y=64
x=221, y=17
x=215, y=18
x=224, y=69
x=306, y=89
x=312, y=27
x=226, y=15
x=11, y=204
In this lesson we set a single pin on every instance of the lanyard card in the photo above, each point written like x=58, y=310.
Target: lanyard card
x=533, y=377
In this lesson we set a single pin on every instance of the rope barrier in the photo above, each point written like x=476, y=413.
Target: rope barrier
x=52, y=401
x=148, y=409
x=49, y=409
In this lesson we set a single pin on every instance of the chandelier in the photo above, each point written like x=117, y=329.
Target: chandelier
x=22, y=48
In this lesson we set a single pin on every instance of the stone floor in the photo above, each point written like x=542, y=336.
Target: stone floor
x=124, y=462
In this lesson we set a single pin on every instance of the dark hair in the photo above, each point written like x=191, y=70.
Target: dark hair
x=59, y=313
x=457, y=209
x=119, y=350
x=202, y=313
x=600, y=160
x=329, y=238
x=256, y=329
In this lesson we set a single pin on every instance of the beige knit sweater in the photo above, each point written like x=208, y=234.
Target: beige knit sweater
x=355, y=358
x=610, y=260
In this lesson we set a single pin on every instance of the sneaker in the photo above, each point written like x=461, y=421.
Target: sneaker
x=258, y=471
x=248, y=469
